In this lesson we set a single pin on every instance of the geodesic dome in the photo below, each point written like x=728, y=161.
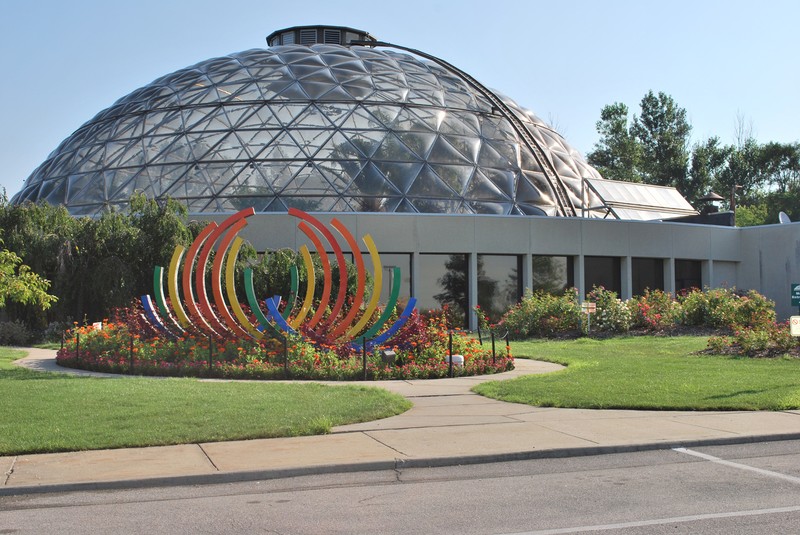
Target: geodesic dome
x=322, y=127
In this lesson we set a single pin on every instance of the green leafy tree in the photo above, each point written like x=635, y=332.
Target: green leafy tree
x=19, y=284
x=618, y=153
x=663, y=133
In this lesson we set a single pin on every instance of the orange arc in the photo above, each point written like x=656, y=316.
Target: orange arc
x=216, y=278
x=361, y=278
x=188, y=293
x=326, y=273
x=202, y=261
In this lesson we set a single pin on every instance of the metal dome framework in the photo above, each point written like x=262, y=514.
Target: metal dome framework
x=322, y=128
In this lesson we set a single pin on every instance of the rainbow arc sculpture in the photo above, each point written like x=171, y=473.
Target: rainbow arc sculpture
x=185, y=306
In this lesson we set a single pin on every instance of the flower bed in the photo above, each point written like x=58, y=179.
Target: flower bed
x=420, y=350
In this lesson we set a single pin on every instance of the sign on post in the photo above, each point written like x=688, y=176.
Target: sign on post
x=795, y=294
x=794, y=325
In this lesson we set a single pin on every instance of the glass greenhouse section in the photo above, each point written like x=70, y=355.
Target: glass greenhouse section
x=323, y=128
x=634, y=201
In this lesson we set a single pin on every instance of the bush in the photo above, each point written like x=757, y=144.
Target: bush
x=613, y=315
x=725, y=308
x=655, y=310
x=543, y=314
x=766, y=340
x=15, y=333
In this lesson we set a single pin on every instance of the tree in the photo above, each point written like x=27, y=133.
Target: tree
x=663, y=135
x=21, y=285
x=618, y=153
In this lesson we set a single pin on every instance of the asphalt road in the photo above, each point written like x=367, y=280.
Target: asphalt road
x=727, y=490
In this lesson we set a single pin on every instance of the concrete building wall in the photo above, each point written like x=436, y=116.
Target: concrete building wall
x=763, y=258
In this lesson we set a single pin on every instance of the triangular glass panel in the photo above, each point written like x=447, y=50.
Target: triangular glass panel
x=469, y=146
x=461, y=124
x=481, y=188
x=455, y=176
x=504, y=179
x=235, y=204
x=339, y=174
x=340, y=205
x=527, y=192
x=498, y=155
x=409, y=121
x=393, y=150
x=202, y=143
x=338, y=147
x=493, y=208
x=250, y=182
x=128, y=127
x=276, y=205
x=219, y=175
x=358, y=88
x=229, y=149
x=309, y=181
x=443, y=152
x=153, y=146
x=133, y=155
x=163, y=122
x=287, y=113
x=402, y=175
x=54, y=191
x=365, y=141
x=117, y=180
x=361, y=119
x=312, y=117
x=436, y=206
x=318, y=90
x=310, y=139
x=419, y=142
x=529, y=209
x=236, y=114
x=371, y=183
x=86, y=187
x=429, y=185
x=293, y=91
x=278, y=174
x=283, y=147
x=177, y=152
x=405, y=207
x=214, y=120
x=385, y=115
x=309, y=204
x=262, y=117
x=254, y=141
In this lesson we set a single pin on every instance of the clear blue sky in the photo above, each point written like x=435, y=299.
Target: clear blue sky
x=62, y=61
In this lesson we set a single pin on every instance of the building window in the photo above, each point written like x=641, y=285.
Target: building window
x=688, y=275
x=647, y=274
x=602, y=271
x=443, y=281
x=553, y=274
x=499, y=283
x=390, y=261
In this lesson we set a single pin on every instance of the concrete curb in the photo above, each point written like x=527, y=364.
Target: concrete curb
x=375, y=466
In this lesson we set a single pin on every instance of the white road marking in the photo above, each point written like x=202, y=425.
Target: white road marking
x=660, y=521
x=769, y=473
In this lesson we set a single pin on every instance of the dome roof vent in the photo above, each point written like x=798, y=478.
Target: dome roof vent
x=312, y=35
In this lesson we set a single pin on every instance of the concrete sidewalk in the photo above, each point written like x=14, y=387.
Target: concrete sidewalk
x=448, y=425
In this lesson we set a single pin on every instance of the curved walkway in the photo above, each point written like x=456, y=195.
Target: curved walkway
x=447, y=425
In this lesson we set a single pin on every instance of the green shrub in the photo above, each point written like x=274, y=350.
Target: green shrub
x=655, y=310
x=15, y=333
x=613, y=315
x=543, y=314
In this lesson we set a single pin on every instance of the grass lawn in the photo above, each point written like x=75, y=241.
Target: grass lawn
x=646, y=372
x=44, y=412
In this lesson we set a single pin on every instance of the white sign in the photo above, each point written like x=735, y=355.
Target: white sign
x=794, y=325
